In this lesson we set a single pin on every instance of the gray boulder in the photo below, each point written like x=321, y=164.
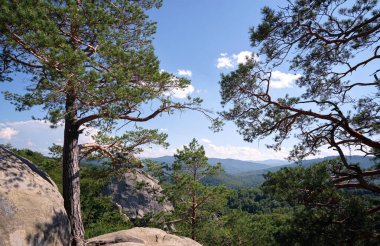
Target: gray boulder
x=31, y=207
x=137, y=194
x=141, y=236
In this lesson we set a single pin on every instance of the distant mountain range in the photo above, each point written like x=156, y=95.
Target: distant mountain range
x=238, y=173
x=273, y=162
x=231, y=166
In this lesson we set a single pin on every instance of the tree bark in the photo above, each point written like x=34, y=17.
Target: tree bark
x=194, y=204
x=193, y=216
x=71, y=184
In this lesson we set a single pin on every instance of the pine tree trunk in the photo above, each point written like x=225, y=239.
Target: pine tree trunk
x=71, y=185
x=193, y=216
x=194, y=204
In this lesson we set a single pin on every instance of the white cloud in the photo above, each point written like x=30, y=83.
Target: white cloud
x=205, y=140
x=163, y=129
x=156, y=152
x=243, y=152
x=34, y=134
x=283, y=80
x=226, y=61
x=181, y=93
x=7, y=133
x=242, y=57
x=183, y=72
x=88, y=135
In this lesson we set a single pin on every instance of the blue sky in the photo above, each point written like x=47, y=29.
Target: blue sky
x=198, y=39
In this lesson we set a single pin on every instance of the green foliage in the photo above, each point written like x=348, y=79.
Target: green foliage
x=122, y=149
x=312, y=184
x=240, y=228
x=56, y=151
x=158, y=170
x=322, y=213
x=253, y=201
x=193, y=201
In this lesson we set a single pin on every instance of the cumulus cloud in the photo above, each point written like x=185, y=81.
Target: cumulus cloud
x=242, y=57
x=7, y=133
x=181, y=93
x=183, y=72
x=156, y=152
x=281, y=80
x=226, y=61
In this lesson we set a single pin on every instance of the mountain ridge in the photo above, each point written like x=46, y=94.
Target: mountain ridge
x=231, y=166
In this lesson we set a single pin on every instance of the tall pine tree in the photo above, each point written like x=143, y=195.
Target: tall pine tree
x=90, y=63
x=194, y=201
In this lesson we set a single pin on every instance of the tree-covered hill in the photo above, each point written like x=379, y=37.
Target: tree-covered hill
x=230, y=166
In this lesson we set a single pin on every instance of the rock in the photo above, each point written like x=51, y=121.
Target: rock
x=31, y=207
x=137, y=194
x=140, y=236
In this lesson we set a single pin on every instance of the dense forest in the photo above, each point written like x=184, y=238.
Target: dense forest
x=92, y=65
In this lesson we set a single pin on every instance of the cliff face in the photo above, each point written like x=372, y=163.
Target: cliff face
x=137, y=194
x=31, y=207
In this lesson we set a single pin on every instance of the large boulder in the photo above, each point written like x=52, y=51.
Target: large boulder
x=137, y=194
x=31, y=207
x=141, y=236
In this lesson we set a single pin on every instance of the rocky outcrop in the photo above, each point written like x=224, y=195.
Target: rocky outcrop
x=137, y=194
x=141, y=236
x=31, y=207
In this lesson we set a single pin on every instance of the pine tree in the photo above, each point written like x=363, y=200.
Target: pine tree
x=90, y=63
x=192, y=200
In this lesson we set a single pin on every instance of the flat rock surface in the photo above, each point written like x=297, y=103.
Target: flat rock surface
x=31, y=207
x=141, y=236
